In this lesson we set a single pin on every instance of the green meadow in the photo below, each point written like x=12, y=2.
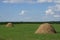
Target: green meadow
x=26, y=31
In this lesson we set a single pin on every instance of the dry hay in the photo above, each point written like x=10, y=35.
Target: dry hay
x=45, y=28
x=9, y=25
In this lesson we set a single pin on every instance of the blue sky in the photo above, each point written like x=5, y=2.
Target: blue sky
x=29, y=10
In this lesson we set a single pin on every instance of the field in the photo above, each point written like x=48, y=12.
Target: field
x=26, y=32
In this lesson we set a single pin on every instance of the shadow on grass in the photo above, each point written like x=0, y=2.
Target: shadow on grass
x=58, y=32
x=2, y=38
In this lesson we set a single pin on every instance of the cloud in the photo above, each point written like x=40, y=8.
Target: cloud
x=12, y=1
x=54, y=1
x=30, y=1
x=57, y=7
x=53, y=9
x=22, y=12
x=57, y=16
x=42, y=1
x=49, y=11
x=18, y=1
x=26, y=1
x=57, y=1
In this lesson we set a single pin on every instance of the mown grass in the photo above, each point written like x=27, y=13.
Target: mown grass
x=26, y=32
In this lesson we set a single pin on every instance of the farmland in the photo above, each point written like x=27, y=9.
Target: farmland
x=25, y=31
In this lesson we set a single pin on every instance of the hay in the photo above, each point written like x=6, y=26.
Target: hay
x=9, y=25
x=45, y=28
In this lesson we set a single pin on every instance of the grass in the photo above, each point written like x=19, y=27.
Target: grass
x=26, y=32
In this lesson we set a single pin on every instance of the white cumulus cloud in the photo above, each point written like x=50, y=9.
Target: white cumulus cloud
x=49, y=11
x=53, y=9
x=22, y=12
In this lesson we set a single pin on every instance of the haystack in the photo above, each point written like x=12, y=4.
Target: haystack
x=45, y=28
x=9, y=25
